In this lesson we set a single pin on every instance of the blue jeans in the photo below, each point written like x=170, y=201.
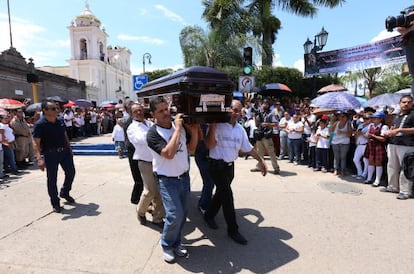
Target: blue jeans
x=52, y=162
x=340, y=152
x=9, y=160
x=283, y=145
x=294, y=146
x=175, y=194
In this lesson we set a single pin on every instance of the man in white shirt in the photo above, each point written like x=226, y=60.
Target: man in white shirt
x=137, y=135
x=224, y=141
x=169, y=146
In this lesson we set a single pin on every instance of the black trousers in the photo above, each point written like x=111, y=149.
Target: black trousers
x=136, y=175
x=222, y=174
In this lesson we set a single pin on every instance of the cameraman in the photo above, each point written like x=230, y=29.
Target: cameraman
x=408, y=43
x=266, y=121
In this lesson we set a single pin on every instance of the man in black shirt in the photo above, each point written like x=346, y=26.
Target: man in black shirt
x=52, y=141
x=400, y=141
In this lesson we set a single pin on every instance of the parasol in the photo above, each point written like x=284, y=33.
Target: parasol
x=382, y=100
x=331, y=88
x=33, y=107
x=337, y=100
x=10, y=104
x=58, y=99
x=69, y=104
x=83, y=103
x=275, y=90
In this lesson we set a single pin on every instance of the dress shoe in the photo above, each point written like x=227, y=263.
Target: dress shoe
x=210, y=222
x=142, y=220
x=57, y=208
x=68, y=198
x=238, y=238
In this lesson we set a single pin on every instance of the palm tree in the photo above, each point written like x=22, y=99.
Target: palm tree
x=241, y=17
x=203, y=48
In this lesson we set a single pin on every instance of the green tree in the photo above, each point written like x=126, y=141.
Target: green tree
x=152, y=75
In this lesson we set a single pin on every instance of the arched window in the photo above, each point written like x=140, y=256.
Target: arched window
x=83, y=49
x=101, y=52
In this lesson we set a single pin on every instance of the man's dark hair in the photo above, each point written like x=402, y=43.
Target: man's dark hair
x=154, y=102
x=45, y=101
x=406, y=96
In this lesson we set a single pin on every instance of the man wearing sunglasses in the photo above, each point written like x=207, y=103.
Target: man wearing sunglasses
x=52, y=148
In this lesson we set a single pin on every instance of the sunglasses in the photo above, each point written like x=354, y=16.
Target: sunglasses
x=53, y=108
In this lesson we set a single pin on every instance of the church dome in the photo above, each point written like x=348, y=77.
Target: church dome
x=87, y=18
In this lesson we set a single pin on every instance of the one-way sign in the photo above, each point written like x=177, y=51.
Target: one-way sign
x=139, y=80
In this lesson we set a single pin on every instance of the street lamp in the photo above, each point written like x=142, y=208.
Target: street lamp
x=311, y=49
x=148, y=57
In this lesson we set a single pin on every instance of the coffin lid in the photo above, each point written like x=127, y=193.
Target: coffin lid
x=196, y=78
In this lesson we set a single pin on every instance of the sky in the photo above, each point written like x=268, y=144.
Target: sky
x=39, y=28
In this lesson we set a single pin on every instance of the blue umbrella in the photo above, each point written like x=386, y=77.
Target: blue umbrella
x=337, y=100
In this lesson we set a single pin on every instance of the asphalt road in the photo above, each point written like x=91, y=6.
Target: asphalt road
x=297, y=222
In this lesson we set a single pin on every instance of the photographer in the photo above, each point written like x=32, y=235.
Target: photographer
x=266, y=121
x=408, y=41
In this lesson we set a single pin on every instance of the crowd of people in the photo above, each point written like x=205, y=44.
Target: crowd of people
x=368, y=144
x=16, y=128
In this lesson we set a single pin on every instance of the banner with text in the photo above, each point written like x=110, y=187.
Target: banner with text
x=381, y=53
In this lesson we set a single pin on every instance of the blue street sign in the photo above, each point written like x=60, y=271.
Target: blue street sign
x=139, y=80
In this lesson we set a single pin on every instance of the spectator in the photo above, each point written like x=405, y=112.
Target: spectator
x=375, y=150
x=361, y=141
x=400, y=142
x=295, y=130
x=283, y=135
x=342, y=132
x=118, y=138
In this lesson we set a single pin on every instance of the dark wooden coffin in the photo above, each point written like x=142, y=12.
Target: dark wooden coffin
x=203, y=94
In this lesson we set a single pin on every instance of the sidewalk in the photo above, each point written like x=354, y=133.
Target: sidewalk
x=298, y=222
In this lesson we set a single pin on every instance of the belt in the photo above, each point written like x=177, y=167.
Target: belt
x=362, y=144
x=221, y=162
x=172, y=177
x=56, y=149
x=144, y=161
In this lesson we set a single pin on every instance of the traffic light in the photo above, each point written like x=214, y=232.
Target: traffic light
x=247, y=60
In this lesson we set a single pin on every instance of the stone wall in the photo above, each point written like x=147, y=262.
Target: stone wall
x=13, y=80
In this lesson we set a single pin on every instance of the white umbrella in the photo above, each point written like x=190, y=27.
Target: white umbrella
x=406, y=91
x=382, y=100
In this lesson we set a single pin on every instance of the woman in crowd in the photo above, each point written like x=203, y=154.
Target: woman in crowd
x=342, y=131
x=361, y=141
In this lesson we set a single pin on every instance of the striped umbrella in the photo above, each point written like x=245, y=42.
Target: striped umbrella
x=10, y=104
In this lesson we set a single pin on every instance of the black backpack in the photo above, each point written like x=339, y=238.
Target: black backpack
x=408, y=165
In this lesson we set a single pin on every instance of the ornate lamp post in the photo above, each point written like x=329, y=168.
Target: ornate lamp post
x=148, y=57
x=312, y=48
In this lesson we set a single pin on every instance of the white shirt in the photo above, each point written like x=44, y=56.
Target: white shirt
x=118, y=133
x=306, y=127
x=294, y=126
x=137, y=135
x=230, y=139
x=68, y=118
x=323, y=142
x=252, y=124
x=169, y=167
x=8, y=133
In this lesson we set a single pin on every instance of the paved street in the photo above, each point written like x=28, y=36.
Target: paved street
x=296, y=222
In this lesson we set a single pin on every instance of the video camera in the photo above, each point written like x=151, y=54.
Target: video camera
x=402, y=20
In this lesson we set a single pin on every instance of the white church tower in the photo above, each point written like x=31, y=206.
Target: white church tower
x=105, y=69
